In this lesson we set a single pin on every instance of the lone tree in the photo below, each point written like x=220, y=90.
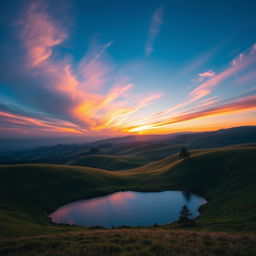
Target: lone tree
x=184, y=154
x=185, y=217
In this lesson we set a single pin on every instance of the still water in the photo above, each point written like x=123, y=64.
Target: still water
x=128, y=208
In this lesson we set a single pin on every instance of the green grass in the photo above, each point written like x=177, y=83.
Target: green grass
x=147, y=151
x=226, y=177
x=30, y=191
x=108, y=162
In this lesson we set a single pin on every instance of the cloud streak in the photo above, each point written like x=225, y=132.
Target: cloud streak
x=154, y=30
x=83, y=98
x=205, y=75
x=28, y=125
x=211, y=80
x=57, y=95
x=241, y=62
x=40, y=34
x=196, y=99
x=238, y=105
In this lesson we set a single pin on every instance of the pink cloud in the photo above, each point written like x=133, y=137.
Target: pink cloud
x=208, y=73
x=92, y=100
x=238, y=59
x=92, y=97
x=40, y=34
x=238, y=64
x=203, y=76
x=248, y=77
x=253, y=50
x=49, y=125
x=244, y=60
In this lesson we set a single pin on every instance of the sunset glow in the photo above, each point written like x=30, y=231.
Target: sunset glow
x=61, y=82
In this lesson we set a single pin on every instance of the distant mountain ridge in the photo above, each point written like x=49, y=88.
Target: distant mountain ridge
x=147, y=147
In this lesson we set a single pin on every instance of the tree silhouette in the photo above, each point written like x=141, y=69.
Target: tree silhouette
x=184, y=154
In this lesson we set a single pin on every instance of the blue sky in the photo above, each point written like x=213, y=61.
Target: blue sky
x=90, y=68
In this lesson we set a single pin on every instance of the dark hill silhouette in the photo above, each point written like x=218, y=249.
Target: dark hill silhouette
x=146, y=147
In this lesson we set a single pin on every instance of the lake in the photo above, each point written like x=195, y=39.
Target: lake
x=128, y=208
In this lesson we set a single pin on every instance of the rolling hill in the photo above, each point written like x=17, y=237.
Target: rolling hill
x=224, y=176
x=108, y=162
x=209, y=173
x=147, y=148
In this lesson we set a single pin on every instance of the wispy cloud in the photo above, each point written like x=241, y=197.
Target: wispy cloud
x=31, y=125
x=154, y=29
x=213, y=80
x=239, y=59
x=199, y=61
x=242, y=61
x=197, y=99
x=40, y=34
x=205, y=57
x=86, y=64
x=237, y=105
x=89, y=96
x=203, y=76
x=207, y=74
x=79, y=98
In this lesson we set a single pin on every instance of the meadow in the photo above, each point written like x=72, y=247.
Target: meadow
x=224, y=176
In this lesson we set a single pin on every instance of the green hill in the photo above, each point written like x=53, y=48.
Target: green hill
x=225, y=177
x=29, y=191
x=147, y=148
x=108, y=162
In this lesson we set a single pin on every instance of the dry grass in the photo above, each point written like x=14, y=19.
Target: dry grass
x=131, y=242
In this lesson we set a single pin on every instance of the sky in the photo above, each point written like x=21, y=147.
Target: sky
x=104, y=68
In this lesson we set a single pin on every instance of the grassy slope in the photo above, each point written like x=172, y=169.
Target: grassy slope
x=226, y=177
x=130, y=161
x=108, y=162
x=29, y=191
x=148, y=151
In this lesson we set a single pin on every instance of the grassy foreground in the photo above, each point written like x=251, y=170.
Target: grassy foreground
x=132, y=242
x=225, y=177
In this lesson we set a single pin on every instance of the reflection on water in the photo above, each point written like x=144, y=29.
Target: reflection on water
x=128, y=208
x=187, y=195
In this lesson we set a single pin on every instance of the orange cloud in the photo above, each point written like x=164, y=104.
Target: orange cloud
x=89, y=99
x=234, y=106
x=81, y=87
